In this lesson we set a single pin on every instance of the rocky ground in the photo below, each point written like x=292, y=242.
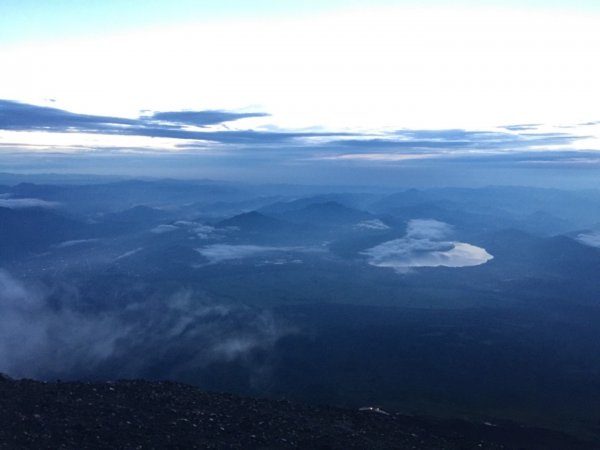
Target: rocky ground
x=164, y=415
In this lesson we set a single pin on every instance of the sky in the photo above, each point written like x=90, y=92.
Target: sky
x=297, y=83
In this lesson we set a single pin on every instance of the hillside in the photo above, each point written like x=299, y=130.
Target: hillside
x=142, y=414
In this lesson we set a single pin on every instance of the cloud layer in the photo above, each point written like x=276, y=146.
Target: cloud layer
x=373, y=224
x=23, y=203
x=47, y=334
x=426, y=244
x=193, y=130
x=592, y=238
x=217, y=253
x=182, y=125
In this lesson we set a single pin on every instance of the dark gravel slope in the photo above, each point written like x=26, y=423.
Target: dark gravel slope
x=164, y=415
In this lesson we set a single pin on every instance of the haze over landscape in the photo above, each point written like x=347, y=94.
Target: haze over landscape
x=393, y=204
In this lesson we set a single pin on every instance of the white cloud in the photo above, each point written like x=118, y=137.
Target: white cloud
x=36, y=340
x=74, y=242
x=23, y=203
x=427, y=229
x=62, y=142
x=128, y=254
x=203, y=231
x=163, y=228
x=224, y=252
x=592, y=239
x=279, y=262
x=374, y=157
x=360, y=69
x=374, y=224
x=424, y=246
x=40, y=340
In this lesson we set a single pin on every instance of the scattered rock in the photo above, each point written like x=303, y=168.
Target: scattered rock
x=156, y=415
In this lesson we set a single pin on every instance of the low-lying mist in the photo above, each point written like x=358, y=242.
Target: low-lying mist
x=45, y=334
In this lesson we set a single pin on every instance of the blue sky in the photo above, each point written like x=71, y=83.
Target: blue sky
x=33, y=19
x=388, y=82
